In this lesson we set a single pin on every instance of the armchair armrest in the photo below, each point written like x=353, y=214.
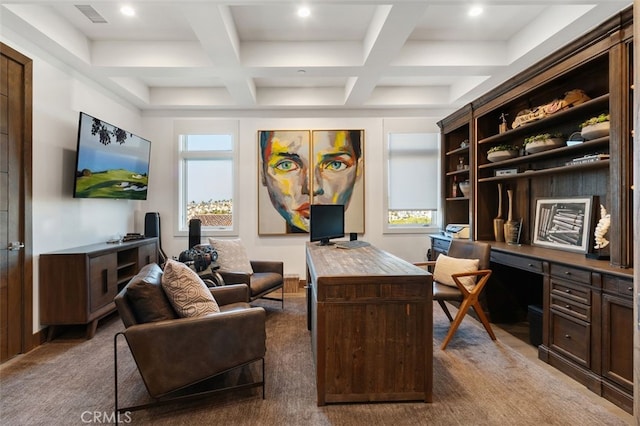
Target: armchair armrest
x=235, y=277
x=482, y=276
x=165, y=351
x=228, y=294
x=427, y=264
x=268, y=266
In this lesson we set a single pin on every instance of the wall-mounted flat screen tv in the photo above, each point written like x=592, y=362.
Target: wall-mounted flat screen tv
x=110, y=162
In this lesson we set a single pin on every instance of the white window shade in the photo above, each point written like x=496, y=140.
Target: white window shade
x=413, y=171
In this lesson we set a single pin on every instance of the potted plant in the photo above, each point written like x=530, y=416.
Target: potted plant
x=595, y=127
x=502, y=152
x=543, y=142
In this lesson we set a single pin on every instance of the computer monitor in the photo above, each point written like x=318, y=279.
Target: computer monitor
x=326, y=222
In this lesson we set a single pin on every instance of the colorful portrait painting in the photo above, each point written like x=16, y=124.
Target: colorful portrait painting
x=298, y=168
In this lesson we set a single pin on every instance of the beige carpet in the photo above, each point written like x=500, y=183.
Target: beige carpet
x=476, y=382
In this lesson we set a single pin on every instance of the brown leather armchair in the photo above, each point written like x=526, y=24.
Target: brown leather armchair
x=267, y=276
x=176, y=353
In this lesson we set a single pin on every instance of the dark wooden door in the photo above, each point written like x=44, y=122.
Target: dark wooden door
x=16, y=301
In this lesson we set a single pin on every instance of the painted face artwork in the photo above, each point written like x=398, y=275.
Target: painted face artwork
x=336, y=166
x=295, y=179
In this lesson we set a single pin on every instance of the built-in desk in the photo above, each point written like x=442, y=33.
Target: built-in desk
x=371, y=325
x=587, y=305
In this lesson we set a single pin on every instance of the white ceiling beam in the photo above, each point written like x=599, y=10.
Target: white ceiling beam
x=389, y=30
x=190, y=97
x=214, y=27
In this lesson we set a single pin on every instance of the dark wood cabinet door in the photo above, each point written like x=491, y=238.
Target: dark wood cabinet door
x=617, y=336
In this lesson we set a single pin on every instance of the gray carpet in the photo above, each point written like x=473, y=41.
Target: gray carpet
x=476, y=382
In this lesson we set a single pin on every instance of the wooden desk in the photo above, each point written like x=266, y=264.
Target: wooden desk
x=371, y=325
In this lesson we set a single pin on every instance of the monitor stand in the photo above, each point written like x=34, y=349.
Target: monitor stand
x=325, y=242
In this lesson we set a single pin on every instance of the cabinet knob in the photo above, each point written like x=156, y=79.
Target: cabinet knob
x=629, y=288
x=531, y=265
x=567, y=291
x=567, y=306
x=567, y=272
x=567, y=336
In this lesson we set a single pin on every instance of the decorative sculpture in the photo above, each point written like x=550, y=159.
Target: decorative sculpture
x=498, y=222
x=601, y=229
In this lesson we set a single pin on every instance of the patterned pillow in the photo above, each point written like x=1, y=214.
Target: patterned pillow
x=187, y=293
x=147, y=296
x=232, y=256
x=446, y=266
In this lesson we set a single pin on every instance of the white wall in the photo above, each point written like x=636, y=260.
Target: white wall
x=60, y=221
x=288, y=248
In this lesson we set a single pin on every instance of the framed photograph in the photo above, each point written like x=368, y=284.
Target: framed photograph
x=563, y=223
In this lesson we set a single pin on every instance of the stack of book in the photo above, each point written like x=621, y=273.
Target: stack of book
x=588, y=159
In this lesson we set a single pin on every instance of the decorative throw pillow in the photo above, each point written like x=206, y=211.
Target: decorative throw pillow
x=446, y=266
x=147, y=296
x=232, y=256
x=187, y=293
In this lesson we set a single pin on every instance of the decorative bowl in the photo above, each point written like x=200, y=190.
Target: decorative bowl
x=465, y=187
x=595, y=131
x=544, y=145
x=501, y=155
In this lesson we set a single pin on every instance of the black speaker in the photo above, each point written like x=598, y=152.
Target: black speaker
x=353, y=236
x=194, y=232
x=152, y=224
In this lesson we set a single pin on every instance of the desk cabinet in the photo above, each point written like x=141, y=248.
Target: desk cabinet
x=587, y=316
x=617, y=341
x=77, y=285
x=371, y=326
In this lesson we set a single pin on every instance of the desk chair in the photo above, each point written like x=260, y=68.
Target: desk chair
x=458, y=277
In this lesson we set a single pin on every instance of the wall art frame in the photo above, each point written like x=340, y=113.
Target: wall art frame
x=297, y=168
x=564, y=223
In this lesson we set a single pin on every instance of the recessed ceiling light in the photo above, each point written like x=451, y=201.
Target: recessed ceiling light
x=304, y=12
x=475, y=10
x=127, y=11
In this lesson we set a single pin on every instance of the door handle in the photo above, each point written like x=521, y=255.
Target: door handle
x=15, y=246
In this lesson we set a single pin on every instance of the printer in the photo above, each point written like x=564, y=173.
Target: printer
x=457, y=230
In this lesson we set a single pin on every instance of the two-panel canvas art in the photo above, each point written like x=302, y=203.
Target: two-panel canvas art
x=298, y=168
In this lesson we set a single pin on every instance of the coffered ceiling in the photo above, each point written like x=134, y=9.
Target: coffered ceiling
x=360, y=55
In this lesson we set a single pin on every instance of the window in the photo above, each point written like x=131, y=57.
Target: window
x=207, y=182
x=413, y=183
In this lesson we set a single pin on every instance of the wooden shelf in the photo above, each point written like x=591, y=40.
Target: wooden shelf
x=461, y=150
x=551, y=170
x=556, y=152
x=575, y=112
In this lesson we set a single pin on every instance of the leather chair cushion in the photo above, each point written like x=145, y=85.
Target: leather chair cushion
x=447, y=266
x=232, y=255
x=445, y=292
x=187, y=293
x=147, y=297
x=263, y=281
x=238, y=306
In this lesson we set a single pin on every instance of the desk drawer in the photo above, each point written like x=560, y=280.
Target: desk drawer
x=519, y=262
x=571, y=338
x=571, y=307
x=568, y=290
x=617, y=285
x=570, y=273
